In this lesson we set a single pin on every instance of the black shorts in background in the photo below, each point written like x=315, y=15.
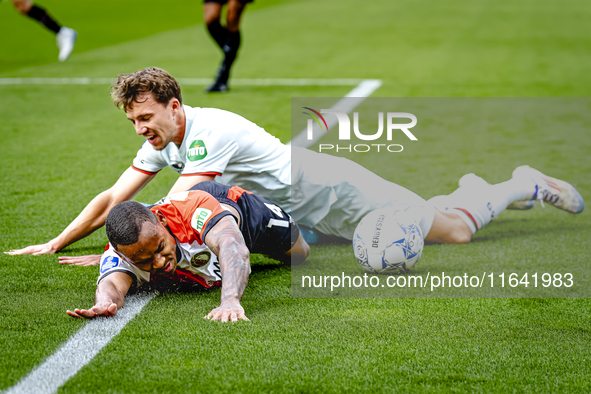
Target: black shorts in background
x=225, y=1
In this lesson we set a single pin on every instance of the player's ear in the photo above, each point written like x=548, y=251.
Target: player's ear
x=175, y=104
x=161, y=218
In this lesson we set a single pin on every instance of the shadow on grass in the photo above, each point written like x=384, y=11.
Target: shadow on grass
x=523, y=228
x=271, y=267
x=258, y=272
x=96, y=249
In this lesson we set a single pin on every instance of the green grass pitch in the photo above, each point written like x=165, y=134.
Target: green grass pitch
x=58, y=152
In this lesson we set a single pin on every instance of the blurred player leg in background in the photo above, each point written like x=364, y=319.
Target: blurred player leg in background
x=227, y=37
x=66, y=37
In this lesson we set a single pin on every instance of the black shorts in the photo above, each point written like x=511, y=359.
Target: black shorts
x=266, y=228
x=222, y=2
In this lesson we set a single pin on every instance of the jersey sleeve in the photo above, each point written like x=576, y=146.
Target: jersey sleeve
x=203, y=221
x=112, y=262
x=147, y=160
x=209, y=155
x=198, y=212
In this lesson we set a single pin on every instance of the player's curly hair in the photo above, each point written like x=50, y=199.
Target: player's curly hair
x=129, y=87
x=124, y=222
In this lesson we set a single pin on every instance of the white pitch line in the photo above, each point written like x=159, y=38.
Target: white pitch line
x=363, y=89
x=346, y=104
x=192, y=81
x=286, y=82
x=79, y=350
x=55, y=81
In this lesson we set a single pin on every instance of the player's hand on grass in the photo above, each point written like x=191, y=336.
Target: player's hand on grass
x=106, y=308
x=35, y=250
x=93, y=259
x=228, y=311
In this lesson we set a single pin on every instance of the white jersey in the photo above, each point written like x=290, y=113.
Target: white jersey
x=229, y=147
x=329, y=193
x=197, y=264
x=332, y=194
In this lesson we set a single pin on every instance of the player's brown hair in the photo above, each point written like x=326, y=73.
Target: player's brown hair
x=129, y=87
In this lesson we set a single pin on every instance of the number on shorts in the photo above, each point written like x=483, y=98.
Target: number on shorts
x=276, y=222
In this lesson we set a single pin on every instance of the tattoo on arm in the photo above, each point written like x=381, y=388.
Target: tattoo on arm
x=225, y=241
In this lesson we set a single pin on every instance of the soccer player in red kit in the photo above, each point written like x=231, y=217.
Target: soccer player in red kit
x=201, y=236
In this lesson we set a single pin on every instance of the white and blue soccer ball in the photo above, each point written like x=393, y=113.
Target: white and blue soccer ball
x=388, y=241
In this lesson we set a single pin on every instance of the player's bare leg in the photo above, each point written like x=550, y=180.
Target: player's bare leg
x=211, y=15
x=212, y=12
x=448, y=228
x=228, y=38
x=234, y=15
x=22, y=6
x=298, y=252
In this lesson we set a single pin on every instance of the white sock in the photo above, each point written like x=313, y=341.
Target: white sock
x=479, y=205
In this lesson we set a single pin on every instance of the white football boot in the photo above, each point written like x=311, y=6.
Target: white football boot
x=475, y=180
x=553, y=191
x=66, y=38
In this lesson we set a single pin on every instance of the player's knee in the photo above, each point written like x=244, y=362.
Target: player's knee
x=299, y=252
x=233, y=26
x=233, y=21
x=299, y=255
x=23, y=6
x=460, y=234
x=211, y=13
x=302, y=253
x=448, y=228
x=235, y=9
x=212, y=21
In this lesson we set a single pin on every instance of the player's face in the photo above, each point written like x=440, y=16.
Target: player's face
x=158, y=123
x=155, y=250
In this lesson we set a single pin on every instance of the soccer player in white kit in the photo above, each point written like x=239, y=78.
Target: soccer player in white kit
x=326, y=193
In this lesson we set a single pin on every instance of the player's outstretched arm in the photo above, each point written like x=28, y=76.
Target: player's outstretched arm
x=225, y=241
x=109, y=298
x=94, y=215
x=88, y=260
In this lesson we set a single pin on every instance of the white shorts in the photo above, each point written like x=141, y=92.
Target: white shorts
x=332, y=194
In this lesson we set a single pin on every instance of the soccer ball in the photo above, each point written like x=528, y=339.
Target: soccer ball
x=388, y=241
